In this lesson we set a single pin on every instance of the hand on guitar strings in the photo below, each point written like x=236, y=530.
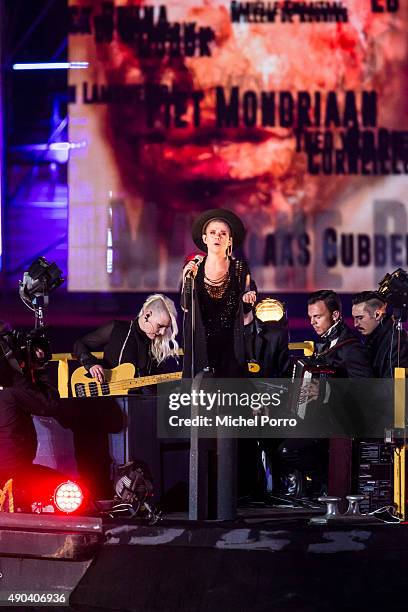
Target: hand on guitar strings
x=96, y=371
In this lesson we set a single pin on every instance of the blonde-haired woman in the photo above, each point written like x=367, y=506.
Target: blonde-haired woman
x=146, y=341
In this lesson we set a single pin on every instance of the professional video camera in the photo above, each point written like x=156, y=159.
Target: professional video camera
x=393, y=288
x=32, y=348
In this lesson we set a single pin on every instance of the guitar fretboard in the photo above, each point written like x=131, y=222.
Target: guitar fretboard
x=121, y=387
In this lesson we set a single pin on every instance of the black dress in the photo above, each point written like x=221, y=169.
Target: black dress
x=218, y=337
x=218, y=342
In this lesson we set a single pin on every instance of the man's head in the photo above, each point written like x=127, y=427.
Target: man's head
x=158, y=320
x=324, y=310
x=368, y=309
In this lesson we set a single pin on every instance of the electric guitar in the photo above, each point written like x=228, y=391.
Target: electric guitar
x=118, y=381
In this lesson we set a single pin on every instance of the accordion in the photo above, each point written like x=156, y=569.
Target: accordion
x=306, y=378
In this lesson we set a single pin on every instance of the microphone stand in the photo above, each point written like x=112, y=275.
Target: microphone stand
x=197, y=503
x=188, y=291
x=399, y=315
x=193, y=321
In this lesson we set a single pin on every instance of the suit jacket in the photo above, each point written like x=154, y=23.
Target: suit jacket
x=382, y=346
x=350, y=360
x=348, y=402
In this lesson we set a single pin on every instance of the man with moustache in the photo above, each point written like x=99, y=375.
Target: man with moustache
x=387, y=347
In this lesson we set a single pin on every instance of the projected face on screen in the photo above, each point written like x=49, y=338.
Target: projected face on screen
x=247, y=167
x=183, y=153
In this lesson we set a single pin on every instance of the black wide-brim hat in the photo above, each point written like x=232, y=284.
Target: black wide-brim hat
x=238, y=230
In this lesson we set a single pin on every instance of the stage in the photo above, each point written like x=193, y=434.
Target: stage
x=269, y=558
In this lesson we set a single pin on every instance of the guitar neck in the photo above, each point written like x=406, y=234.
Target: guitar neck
x=150, y=380
x=83, y=386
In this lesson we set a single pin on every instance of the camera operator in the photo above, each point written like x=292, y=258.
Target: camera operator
x=24, y=392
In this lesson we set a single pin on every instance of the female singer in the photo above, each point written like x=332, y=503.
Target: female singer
x=224, y=294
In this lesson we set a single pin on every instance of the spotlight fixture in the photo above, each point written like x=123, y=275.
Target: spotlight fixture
x=270, y=310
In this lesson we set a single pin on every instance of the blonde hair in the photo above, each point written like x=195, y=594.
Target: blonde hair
x=166, y=345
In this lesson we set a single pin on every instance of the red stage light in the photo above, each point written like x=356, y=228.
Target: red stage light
x=68, y=497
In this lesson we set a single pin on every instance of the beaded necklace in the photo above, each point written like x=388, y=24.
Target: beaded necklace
x=216, y=287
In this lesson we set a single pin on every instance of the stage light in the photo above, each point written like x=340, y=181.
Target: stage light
x=66, y=146
x=52, y=66
x=270, y=310
x=60, y=146
x=40, y=280
x=68, y=497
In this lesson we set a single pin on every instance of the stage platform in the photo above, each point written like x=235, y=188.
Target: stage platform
x=266, y=559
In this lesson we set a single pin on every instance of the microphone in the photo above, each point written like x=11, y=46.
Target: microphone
x=197, y=259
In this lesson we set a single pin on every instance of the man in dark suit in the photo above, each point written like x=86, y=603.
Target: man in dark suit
x=387, y=346
x=341, y=348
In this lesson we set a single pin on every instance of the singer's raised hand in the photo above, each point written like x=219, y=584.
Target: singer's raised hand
x=190, y=269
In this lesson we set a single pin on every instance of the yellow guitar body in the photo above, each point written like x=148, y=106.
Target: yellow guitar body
x=118, y=381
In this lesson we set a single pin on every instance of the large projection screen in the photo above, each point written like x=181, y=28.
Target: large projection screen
x=292, y=114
